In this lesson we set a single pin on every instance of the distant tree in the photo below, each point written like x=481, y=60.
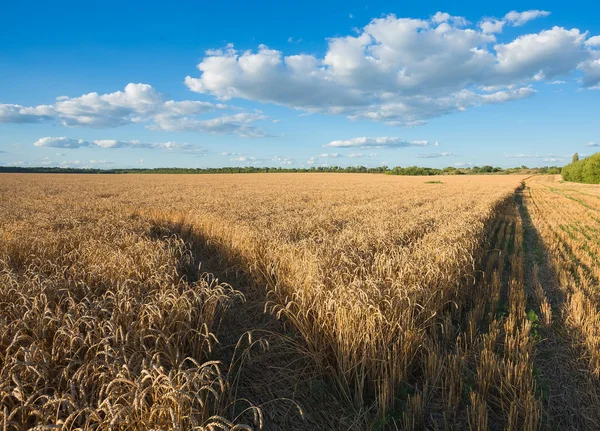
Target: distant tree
x=575, y=157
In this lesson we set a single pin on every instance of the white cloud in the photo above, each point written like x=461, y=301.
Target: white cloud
x=138, y=103
x=109, y=110
x=434, y=155
x=101, y=162
x=64, y=142
x=592, y=144
x=362, y=155
x=548, y=54
x=379, y=142
x=545, y=158
x=231, y=154
x=252, y=160
x=239, y=124
x=557, y=82
x=283, y=160
x=22, y=114
x=491, y=26
x=83, y=164
x=520, y=18
x=521, y=156
x=591, y=73
x=400, y=71
x=70, y=163
x=593, y=42
x=322, y=156
x=243, y=159
x=443, y=17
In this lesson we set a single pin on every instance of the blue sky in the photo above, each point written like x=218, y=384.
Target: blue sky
x=199, y=84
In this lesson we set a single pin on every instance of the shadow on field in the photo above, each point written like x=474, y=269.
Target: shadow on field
x=563, y=383
x=270, y=366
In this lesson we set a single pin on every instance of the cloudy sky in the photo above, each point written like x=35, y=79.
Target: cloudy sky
x=208, y=84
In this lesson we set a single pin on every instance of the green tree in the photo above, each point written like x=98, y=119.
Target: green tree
x=575, y=157
x=590, y=171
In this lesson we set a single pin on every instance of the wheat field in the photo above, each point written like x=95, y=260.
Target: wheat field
x=298, y=301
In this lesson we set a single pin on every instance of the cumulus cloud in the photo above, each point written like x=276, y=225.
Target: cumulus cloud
x=543, y=55
x=138, y=103
x=401, y=71
x=492, y=26
x=379, y=142
x=591, y=73
x=64, y=142
x=22, y=114
x=593, y=42
x=513, y=18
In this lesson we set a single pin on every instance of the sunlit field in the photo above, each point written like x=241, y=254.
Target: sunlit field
x=298, y=302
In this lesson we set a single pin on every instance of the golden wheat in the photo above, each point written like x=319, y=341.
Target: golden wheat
x=403, y=304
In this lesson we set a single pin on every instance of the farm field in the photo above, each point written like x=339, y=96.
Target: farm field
x=566, y=219
x=298, y=301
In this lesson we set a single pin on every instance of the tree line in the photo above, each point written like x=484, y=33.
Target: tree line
x=411, y=170
x=583, y=170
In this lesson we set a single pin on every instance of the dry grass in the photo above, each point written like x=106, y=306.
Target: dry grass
x=402, y=305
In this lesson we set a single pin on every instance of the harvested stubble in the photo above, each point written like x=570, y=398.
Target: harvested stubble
x=379, y=276
x=566, y=217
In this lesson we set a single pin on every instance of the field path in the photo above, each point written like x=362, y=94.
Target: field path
x=569, y=394
x=265, y=348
